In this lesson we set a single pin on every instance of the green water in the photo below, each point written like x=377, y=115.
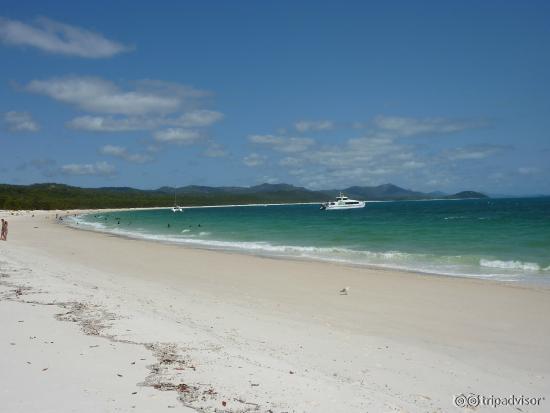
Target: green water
x=505, y=239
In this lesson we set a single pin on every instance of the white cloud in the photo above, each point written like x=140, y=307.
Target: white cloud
x=296, y=145
x=371, y=160
x=198, y=118
x=194, y=118
x=379, y=155
x=358, y=151
x=313, y=125
x=177, y=135
x=113, y=150
x=363, y=161
x=98, y=168
x=98, y=95
x=254, y=159
x=215, y=150
x=171, y=89
x=137, y=158
x=55, y=37
x=473, y=152
x=122, y=153
x=266, y=139
x=20, y=122
x=282, y=144
x=403, y=127
x=290, y=162
x=109, y=124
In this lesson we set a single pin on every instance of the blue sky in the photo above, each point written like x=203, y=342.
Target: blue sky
x=427, y=95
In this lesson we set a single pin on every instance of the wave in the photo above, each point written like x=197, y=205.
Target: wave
x=466, y=266
x=510, y=265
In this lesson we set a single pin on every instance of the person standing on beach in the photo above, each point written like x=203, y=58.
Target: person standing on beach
x=4, y=234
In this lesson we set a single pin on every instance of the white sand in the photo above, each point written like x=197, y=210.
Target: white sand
x=258, y=334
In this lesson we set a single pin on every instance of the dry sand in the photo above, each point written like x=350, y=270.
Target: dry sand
x=130, y=325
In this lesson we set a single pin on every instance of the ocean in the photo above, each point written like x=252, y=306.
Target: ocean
x=500, y=239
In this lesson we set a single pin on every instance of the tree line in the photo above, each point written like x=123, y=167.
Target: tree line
x=59, y=196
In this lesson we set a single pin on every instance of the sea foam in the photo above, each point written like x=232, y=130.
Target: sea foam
x=510, y=265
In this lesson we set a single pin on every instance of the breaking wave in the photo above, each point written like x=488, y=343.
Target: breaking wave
x=510, y=265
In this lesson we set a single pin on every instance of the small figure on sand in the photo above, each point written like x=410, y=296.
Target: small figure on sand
x=344, y=291
x=4, y=233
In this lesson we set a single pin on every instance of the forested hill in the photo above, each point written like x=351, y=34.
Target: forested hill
x=59, y=196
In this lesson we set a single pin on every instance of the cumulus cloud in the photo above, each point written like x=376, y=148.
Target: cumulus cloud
x=99, y=168
x=313, y=125
x=360, y=160
x=102, y=96
x=122, y=153
x=282, y=144
x=254, y=159
x=55, y=37
x=20, y=122
x=381, y=154
x=372, y=159
x=177, y=135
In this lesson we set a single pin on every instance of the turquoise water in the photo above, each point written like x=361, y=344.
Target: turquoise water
x=504, y=239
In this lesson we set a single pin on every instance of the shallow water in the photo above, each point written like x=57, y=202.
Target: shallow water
x=503, y=239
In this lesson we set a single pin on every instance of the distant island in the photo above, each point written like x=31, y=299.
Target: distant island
x=60, y=196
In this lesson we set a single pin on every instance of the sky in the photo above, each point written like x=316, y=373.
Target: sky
x=426, y=95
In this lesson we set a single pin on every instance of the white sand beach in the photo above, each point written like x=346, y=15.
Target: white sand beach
x=97, y=323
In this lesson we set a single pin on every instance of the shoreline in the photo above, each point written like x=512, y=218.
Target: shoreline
x=276, y=333
x=532, y=281
x=370, y=267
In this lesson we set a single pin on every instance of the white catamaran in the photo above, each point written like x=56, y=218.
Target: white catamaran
x=343, y=202
x=176, y=207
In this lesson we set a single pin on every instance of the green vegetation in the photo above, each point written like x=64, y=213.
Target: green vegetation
x=59, y=196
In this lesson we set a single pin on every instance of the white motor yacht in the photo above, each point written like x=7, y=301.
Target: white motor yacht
x=343, y=202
